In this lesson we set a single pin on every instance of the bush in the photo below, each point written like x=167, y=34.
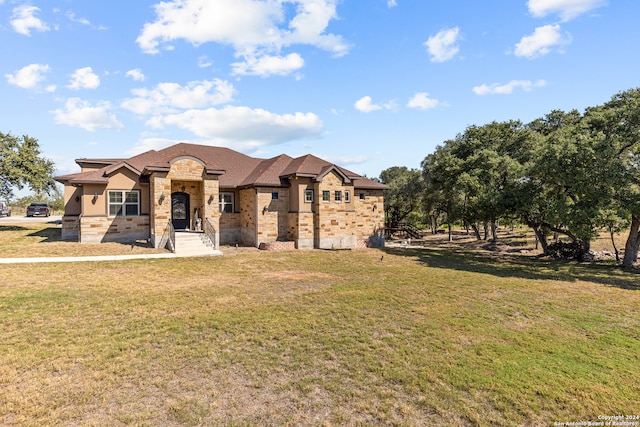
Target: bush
x=561, y=250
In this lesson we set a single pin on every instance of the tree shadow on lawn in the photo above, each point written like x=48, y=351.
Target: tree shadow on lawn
x=12, y=228
x=521, y=266
x=48, y=235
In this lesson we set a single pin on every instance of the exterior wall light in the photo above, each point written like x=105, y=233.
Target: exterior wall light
x=210, y=199
x=265, y=210
x=161, y=199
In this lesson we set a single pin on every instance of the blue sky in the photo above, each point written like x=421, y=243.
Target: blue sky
x=366, y=84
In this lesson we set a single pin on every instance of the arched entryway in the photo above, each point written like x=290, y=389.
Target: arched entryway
x=180, y=210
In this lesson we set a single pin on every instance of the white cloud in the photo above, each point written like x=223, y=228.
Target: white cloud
x=422, y=101
x=507, y=89
x=72, y=17
x=82, y=114
x=204, y=61
x=253, y=28
x=269, y=65
x=366, y=105
x=23, y=20
x=136, y=74
x=443, y=46
x=541, y=42
x=566, y=9
x=346, y=160
x=28, y=77
x=170, y=97
x=84, y=78
x=392, y=3
x=243, y=127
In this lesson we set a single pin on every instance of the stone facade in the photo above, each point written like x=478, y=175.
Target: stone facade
x=70, y=227
x=307, y=204
x=99, y=229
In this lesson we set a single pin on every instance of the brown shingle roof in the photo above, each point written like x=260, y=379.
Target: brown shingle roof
x=236, y=169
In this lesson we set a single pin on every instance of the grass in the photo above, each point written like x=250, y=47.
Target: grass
x=39, y=239
x=426, y=336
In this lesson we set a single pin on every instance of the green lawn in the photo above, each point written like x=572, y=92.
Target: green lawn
x=423, y=337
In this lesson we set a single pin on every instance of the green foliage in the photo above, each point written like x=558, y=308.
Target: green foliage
x=565, y=172
x=403, y=198
x=55, y=199
x=21, y=164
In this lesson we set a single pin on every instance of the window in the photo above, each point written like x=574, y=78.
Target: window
x=338, y=196
x=225, y=202
x=124, y=203
x=325, y=195
x=347, y=196
x=361, y=196
x=275, y=195
x=308, y=196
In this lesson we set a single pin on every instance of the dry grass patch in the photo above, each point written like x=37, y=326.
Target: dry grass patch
x=26, y=240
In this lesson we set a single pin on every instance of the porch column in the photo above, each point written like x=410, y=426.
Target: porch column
x=160, y=204
x=211, y=194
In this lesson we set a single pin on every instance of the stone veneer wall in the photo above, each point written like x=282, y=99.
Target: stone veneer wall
x=301, y=229
x=369, y=218
x=248, y=213
x=70, y=227
x=203, y=194
x=98, y=229
x=272, y=223
x=332, y=219
x=230, y=229
x=161, y=212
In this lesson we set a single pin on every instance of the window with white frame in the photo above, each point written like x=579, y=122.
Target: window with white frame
x=124, y=203
x=338, y=196
x=326, y=195
x=226, y=202
x=347, y=196
x=308, y=196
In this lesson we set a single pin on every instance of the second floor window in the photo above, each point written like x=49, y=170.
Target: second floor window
x=308, y=196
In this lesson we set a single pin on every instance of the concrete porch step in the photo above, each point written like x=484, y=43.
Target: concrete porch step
x=193, y=244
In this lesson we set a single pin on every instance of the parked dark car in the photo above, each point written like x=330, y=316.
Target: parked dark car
x=38, y=208
x=5, y=209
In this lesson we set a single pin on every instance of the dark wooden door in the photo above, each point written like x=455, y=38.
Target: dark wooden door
x=180, y=210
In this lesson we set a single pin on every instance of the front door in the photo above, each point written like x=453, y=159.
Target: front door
x=180, y=210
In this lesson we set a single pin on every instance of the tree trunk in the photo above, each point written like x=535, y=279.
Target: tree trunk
x=542, y=238
x=485, y=224
x=613, y=242
x=633, y=242
x=476, y=232
x=494, y=231
x=450, y=235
